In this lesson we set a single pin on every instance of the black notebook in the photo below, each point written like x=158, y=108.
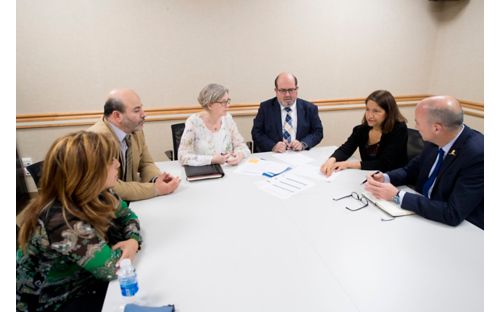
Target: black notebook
x=195, y=173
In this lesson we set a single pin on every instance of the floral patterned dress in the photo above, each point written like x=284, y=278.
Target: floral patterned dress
x=199, y=144
x=64, y=260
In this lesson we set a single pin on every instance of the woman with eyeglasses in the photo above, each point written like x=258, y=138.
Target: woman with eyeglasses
x=211, y=136
x=76, y=230
x=381, y=138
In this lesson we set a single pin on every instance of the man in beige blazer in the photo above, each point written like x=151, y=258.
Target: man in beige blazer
x=123, y=121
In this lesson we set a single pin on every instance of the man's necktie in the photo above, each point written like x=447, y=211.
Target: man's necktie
x=128, y=160
x=123, y=157
x=432, y=178
x=288, y=130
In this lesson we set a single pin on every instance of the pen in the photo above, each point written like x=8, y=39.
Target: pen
x=371, y=176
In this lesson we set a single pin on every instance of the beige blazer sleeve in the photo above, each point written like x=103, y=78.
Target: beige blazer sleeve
x=135, y=190
x=139, y=184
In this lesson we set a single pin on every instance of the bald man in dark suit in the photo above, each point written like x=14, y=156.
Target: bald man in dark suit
x=449, y=173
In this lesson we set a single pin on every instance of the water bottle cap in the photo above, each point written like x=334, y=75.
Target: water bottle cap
x=125, y=263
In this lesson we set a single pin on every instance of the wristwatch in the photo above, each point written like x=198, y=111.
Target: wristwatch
x=396, y=198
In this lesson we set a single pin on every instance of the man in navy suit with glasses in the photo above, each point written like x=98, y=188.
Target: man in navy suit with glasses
x=449, y=173
x=286, y=122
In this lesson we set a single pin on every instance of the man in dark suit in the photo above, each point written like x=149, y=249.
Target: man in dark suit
x=286, y=122
x=449, y=173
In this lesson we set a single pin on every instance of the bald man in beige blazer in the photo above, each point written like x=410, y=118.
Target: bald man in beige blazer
x=123, y=121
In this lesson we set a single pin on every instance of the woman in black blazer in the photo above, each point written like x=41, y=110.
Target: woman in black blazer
x=381, y=138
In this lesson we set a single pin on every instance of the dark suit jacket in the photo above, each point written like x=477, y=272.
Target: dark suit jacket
x=267, y=127
x=458, y=193
x=391, y=152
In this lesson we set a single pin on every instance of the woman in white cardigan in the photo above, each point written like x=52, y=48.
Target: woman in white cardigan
x=211, y=136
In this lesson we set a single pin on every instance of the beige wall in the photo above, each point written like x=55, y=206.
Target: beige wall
x=71, y=53
x=457, y=65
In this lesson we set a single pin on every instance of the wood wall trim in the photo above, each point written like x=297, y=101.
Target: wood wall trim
x=55, y=125
x=472, y=105
x=475, y=114
x=73, y=119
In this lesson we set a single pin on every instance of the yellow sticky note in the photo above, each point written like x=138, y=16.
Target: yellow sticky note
x=253, y=161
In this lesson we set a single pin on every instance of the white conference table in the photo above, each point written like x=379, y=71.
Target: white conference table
x=224, y=245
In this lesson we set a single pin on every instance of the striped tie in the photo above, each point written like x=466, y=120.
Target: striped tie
x=123, y=156
x=127, y=168
x=288, y=130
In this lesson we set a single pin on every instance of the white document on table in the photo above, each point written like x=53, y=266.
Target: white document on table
x=309, y=171
x=293, y=158
x=257, y=166
x=284, y=186
x=313, y=171
x=343, y=174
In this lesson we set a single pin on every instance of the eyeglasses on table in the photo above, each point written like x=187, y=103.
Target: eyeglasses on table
x=364, y=201
x=357, y=197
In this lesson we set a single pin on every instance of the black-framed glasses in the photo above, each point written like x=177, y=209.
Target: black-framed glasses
x=285, y=91
x=225, y=103
x=357, y=197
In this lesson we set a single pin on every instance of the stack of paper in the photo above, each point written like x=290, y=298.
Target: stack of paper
x=285, y=185
x=293, y=158
x=257, y=166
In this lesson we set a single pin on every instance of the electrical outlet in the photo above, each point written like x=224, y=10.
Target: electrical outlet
x=27, y=161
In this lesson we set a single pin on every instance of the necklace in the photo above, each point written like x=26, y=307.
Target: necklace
x=210, y=124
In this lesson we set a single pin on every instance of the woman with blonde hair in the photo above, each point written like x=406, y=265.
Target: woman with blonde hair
x=76, y=230
x=211, y=136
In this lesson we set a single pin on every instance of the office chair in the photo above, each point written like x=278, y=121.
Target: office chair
x=250, y=146
x=415, y=143
x=22, y=193
x=177, y=131
x=35, y=171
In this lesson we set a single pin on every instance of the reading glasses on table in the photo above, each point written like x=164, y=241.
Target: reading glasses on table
x=357, y=197
x=364, y=201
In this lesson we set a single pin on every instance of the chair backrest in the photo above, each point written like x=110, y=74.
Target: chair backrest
x=177, y=131
x=22, y=192
x=35, y=171
x=250, y=146
x=415, y=143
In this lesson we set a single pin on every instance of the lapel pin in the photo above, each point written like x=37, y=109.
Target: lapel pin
x=453, y=153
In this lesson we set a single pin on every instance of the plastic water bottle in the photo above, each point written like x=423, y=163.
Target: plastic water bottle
x=128, y=281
